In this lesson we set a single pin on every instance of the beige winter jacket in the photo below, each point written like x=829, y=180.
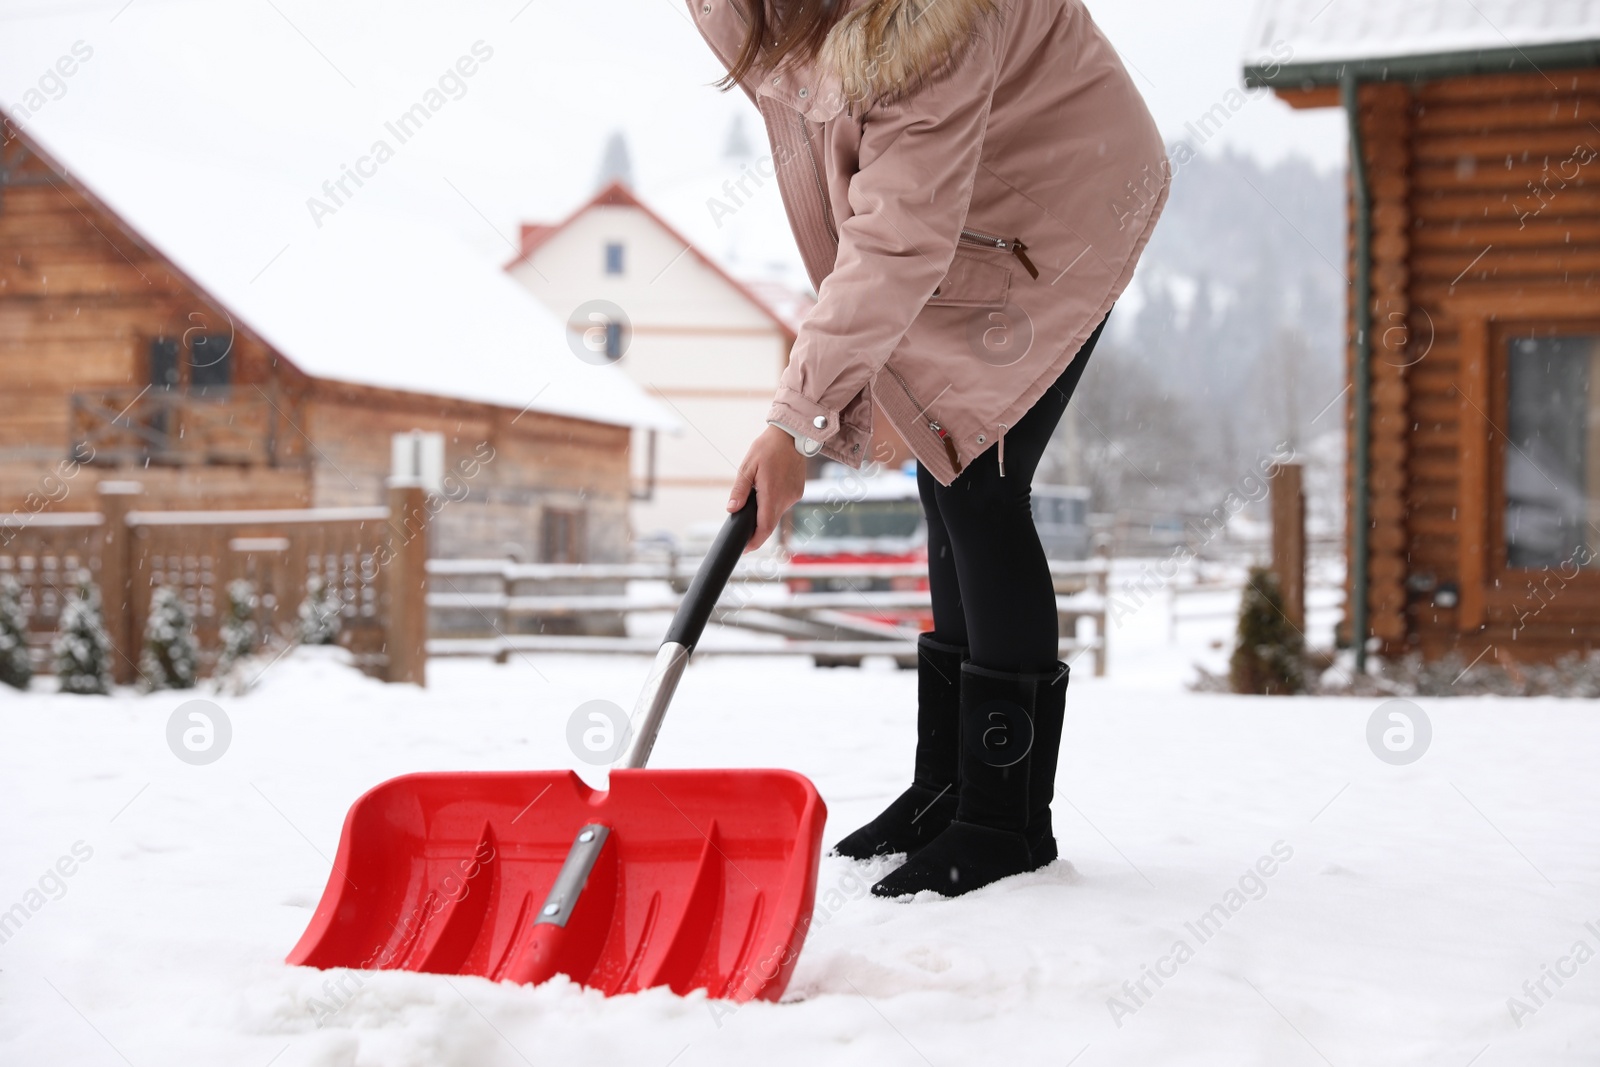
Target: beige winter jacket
x=970, y=183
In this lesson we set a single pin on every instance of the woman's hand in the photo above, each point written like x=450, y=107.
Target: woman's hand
x=778, y=473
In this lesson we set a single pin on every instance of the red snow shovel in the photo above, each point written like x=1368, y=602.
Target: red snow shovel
x=691, y=879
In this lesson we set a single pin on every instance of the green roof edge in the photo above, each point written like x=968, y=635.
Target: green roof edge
x=1566, y=55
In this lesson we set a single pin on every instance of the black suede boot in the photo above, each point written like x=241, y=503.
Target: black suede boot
x=1049, y=709
x=987, y=840
x=922, y=812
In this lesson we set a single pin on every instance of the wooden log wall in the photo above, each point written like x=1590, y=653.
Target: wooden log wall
x=1386, y=124
x=1484, y=227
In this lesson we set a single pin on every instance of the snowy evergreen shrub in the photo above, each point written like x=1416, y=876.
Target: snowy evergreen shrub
x=1582, y=676
x=1268, y=656
x=1454, y=676
x=82, y=649
x=319, y=613
x=15, y=670
x=238, y=631
x=1576, y=676
x=170, y=653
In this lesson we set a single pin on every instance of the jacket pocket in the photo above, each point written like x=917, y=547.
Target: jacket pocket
x=973, y=281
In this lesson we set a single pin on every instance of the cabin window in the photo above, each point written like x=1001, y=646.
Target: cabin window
x=417, y=458
x=164, y=371
x=1552, y=461
x=211, y=361
x=614, y=257
x=562, y=536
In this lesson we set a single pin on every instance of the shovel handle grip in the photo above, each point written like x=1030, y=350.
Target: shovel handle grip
x=695, y=609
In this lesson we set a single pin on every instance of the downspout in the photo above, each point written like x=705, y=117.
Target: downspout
x=1360, y=517
x=648, y=493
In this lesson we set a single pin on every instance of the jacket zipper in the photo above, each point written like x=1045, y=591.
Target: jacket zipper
x=933, y=423
x=1013, y=245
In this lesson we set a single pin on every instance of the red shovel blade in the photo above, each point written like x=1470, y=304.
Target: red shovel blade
x=700, y=879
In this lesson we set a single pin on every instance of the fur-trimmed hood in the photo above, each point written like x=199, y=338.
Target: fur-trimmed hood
x=885, y=49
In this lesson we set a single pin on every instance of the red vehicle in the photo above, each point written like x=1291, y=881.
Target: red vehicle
x=875, y=520
x=853, y=517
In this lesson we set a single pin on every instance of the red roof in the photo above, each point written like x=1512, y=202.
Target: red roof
x=617, y=194
x=533, y=235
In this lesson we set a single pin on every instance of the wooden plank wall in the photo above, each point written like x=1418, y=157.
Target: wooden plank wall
x=508, y=467
x=80, y=299
x=1474, y=235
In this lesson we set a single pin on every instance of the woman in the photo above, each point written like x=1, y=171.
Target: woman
x=970, y=183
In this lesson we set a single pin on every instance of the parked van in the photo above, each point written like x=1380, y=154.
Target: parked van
x=1061, y=513
x=855, y=517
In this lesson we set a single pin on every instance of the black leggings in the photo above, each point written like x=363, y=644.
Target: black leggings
x=990, y=581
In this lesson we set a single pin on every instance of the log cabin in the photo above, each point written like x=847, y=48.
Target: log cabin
x=1474, y=314
x=118, y=361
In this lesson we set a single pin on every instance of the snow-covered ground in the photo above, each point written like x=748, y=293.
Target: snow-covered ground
x=1405, y=904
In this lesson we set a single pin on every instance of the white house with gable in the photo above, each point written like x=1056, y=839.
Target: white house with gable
x=707, y=345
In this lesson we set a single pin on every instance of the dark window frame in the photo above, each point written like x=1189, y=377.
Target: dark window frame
x=1501, y=336
x=171, y=355
x=202, y=374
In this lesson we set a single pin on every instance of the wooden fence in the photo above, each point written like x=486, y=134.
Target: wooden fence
x=841, y=614
x=371, y=558
x=374, y=559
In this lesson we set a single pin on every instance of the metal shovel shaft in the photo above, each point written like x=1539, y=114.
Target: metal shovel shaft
x=650, y=710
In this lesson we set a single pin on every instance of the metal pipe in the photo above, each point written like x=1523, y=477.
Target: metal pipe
x=651, y=708
x=1360, y=512
x=648, y=493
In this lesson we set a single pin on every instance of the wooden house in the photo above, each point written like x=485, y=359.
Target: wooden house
x=118, y=361
x=1474, y=272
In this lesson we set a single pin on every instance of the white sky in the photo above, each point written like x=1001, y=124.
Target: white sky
x=1185, y=54
x=291, y=91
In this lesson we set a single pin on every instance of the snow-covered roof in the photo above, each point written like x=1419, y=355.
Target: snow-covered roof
x=1300, y=33
x=776, y=300
x=729, y=207
x=217, y=181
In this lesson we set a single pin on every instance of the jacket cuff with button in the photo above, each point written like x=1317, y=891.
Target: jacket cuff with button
x=802, y=417
x=806, y=446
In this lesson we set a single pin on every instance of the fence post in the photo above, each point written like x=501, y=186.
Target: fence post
x=406, y=639
x=116, y=576
x=507, y=588
x=1103, y=587
x=1289, y=539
